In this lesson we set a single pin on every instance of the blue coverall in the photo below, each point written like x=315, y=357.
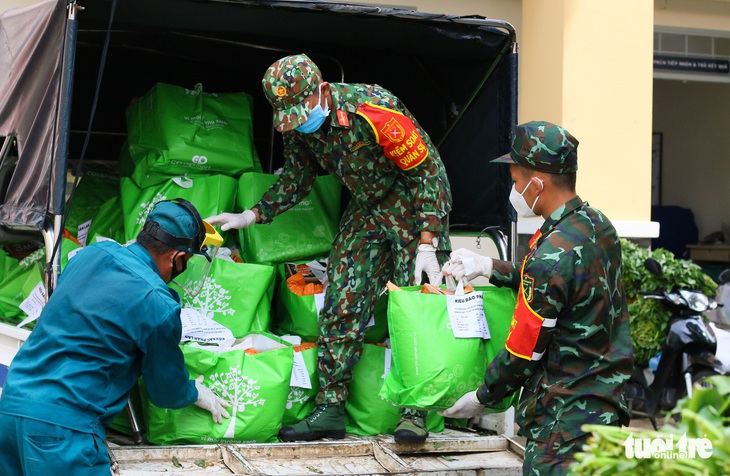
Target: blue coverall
x=111, y=319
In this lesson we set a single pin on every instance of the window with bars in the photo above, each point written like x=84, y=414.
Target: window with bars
x=692, y=44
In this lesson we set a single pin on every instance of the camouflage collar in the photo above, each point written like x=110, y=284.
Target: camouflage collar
x=339, y=104
x=560, y=213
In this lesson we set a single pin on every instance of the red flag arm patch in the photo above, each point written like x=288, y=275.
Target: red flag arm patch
x=397, y=135
x=524, y=329
x=526, y=324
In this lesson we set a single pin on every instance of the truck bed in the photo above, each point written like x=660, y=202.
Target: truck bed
x=451, y=452
x=461, y=452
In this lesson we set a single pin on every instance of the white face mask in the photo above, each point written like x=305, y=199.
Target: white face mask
x=520, y=204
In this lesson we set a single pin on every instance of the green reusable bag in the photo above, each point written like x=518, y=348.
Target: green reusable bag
x=296, y=315
x=174, y=131
x=367, y=413
x=499, y=306
x=108, y=222
x=7, y=263
x=210, y=195
x=305, y=231
x=69, y=248
x=300, y=401
x=96, y=186
x=235, y=295
x=257, y=385
x=21, y=279
x=18, y=281
x=432, y=369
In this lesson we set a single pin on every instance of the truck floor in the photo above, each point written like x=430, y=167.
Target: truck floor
x=451, y=452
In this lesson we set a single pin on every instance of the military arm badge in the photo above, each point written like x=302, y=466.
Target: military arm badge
x=396, y=134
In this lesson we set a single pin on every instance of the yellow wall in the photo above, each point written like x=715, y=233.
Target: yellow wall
x=582, y=69
x=697, y=14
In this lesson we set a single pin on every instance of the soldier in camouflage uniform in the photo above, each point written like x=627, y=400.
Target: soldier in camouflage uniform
x=569, y=346
x=393, y=228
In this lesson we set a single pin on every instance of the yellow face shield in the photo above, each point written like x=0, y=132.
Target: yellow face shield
x=193, y=280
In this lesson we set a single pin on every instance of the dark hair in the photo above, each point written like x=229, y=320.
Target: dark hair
x=561, y=181
x=564, y=181
x=152, y=244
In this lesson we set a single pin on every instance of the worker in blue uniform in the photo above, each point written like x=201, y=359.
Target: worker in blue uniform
x=111, y=319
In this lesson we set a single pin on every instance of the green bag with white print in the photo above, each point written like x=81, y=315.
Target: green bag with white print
x=255, y=382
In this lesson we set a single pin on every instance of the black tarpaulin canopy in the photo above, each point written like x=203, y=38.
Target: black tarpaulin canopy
x=456, y=74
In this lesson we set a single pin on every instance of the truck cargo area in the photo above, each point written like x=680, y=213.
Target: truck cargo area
x=451, y=452
x=456, y=74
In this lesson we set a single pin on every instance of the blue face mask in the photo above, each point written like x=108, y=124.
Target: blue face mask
x=316, y=116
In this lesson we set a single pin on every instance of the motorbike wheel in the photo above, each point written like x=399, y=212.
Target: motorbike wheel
x=700, y=378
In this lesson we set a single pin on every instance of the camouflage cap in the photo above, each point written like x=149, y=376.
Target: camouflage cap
x=544, y=147
x=287, y=84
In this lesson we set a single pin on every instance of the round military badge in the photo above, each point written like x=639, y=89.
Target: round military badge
x=281, y=91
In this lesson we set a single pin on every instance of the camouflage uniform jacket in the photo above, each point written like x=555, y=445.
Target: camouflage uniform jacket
x=572, y=280
x=347, y=147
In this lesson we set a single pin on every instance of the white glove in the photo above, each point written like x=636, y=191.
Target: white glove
x=467, y=264
x=467, y=406
x=427, y=262
x=233, y=220
x=211, y=402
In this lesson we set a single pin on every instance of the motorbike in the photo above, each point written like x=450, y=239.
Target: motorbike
x=687, y=357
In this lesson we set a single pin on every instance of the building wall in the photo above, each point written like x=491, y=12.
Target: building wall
x=693, y=118
x=577, y=71
x=699, y=14
x=587, y=65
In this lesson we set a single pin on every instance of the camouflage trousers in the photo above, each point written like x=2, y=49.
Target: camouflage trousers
x=552, y=457
x=366, y=253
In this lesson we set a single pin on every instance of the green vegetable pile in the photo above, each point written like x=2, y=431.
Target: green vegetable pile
x=705, y=422
x=649, y=318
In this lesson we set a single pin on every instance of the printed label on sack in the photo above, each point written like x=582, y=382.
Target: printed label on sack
x=200, y=328
x=33, y=304
x=299, y=374
x=319, y=302
x=83, y=232
x=388, y=359
x=467, y=315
